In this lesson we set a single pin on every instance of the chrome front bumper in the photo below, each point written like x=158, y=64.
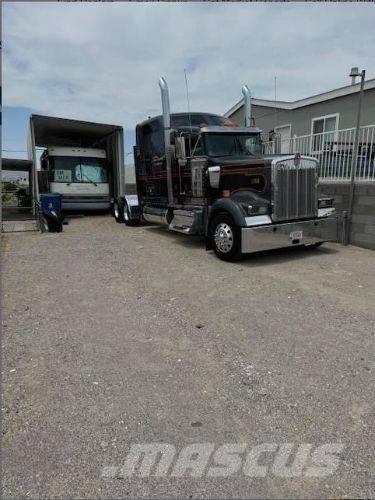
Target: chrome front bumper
x=268, y=237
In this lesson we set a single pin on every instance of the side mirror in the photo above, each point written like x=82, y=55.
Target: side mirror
x=180, y=150
x=214, y=176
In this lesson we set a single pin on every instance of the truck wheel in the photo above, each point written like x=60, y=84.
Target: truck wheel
x=225, y=237
x=128, y=221
x=55, y=227
x=44, y=225
x=118, y=211
x=51, y=226
x=112, y=208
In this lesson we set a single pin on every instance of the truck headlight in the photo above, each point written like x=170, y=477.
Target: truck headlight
x=325, y=203
x=257, y=209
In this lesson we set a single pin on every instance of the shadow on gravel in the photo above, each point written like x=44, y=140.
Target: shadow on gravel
x=269, y=257
x=81, y=214
x=281, y=255
x=178, y=238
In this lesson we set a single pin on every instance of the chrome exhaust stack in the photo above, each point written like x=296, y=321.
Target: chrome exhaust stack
x=247, y=105
x=167, y=134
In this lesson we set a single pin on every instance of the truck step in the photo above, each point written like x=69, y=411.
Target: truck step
x=186, y=221
x=180, y=229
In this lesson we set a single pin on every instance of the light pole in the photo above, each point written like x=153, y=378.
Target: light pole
x=354, y=73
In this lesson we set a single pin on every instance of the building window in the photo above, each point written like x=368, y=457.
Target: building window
x=324, y=132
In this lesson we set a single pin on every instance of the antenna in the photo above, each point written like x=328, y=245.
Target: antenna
x=188, y=100
x=275, y=106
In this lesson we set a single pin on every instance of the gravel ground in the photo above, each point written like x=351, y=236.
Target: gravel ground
x=116, y=335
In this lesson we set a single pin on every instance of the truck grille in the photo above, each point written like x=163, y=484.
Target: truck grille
x=294, y=188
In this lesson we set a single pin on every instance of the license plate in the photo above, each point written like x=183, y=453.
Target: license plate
x=295, y=235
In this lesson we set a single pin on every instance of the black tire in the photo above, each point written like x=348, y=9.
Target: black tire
x=118, y=211
x=51, y=226
x=55, y=227
x=128, y=221
x=225, y=237
x=111, y=209
x=44, y=225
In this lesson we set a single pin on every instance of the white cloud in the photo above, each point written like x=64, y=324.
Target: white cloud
x=102, y=61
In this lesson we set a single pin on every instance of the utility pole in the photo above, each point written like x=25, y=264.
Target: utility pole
x=354, y=73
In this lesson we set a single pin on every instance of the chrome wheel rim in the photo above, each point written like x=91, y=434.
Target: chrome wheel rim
x=115, y=210
x=224, y=237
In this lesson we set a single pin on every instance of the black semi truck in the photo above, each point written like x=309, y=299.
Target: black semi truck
x=200, y=174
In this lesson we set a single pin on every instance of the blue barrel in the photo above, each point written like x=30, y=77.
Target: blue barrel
x=51, y=204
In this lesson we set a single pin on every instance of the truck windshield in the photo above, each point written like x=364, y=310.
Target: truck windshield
x=233, y=144
x=78, y=169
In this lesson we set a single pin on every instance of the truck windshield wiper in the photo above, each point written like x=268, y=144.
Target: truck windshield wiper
x=88, y=178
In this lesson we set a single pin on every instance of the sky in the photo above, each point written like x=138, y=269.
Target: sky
x=102, y=61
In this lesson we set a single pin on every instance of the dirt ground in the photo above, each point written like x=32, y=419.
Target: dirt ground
x=115, y=335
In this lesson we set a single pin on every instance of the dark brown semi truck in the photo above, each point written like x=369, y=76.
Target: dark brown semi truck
x=200, y=174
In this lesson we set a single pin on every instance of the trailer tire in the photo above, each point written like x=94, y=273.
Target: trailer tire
x=44, y=225
x=118, y=211
x=56, y=227
x=51, y=226
x=224, y=237
x=112, y=211
x=127, y=219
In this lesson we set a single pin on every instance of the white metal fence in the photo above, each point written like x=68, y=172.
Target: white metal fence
x=334, y=151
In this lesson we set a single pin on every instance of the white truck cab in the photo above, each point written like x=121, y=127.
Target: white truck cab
x=80, y=175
